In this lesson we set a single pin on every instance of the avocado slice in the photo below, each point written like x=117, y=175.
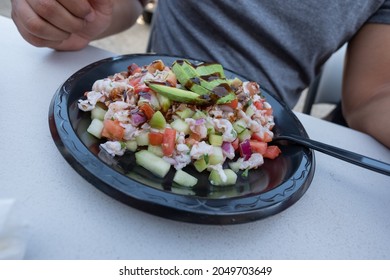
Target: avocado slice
x=208, y=69
x=177, y=94
x=187, y=76
x=226, y=99
x=206, y=80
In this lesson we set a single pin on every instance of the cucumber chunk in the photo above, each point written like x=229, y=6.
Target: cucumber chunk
x=216, y=140
x=153, y=163
x=186, y=113
x=239, y=126
x=217, y=156
x=98, y=113
x=131, y=145
x=165, y=103
x=181, y=126
x=246, y=134
x=158, y=121
x=142, y=139
x=184, y=179
x=157, y=150
x=200, y=164
x=96, y=128
x=215, y=178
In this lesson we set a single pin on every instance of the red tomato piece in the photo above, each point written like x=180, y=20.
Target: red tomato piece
x=272, y=152
x=113, y=130
x=169, y=140
x=155, y=138
x=265, y=137
x=235, y=144
x=258, y=105
x=258, y=147
x=233, y=104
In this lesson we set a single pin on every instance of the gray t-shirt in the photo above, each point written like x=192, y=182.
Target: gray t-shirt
x=279, y=43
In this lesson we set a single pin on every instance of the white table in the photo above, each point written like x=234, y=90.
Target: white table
x=343, y=215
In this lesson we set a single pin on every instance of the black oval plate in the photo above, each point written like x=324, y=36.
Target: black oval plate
x=266, y=191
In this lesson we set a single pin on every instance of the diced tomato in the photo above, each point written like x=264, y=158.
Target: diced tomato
x=267, y=138
x=272, y=152
x=262, y=137
x=155, y=138
x=258, y=105
x=169, y=140
x=256, y=136
x=258, y=147
x=236, y=143
x=113, y=130
x=233, y=104
x=147, y=109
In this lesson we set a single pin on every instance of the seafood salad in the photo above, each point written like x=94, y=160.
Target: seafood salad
x=172, y=116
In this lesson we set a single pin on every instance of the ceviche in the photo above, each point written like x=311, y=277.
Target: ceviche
x=172, y=116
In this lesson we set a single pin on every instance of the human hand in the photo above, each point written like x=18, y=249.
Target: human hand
x=61, y=24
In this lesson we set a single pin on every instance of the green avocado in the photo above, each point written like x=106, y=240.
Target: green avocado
x=208, y=69
x=188, y=77
x=176, y=94
x=226, y=99
x=205, y=83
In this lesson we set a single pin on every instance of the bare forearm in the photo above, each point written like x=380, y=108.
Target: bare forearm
x=372, y=117
x=366, y=87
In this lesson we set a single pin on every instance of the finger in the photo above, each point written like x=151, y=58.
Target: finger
x=37, y=41
x=78, y=8
x=57, y=15
x=34, y=29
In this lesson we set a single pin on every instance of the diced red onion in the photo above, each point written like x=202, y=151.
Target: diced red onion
x=228, y=150
x=137, y=119
x=145, y=95
x=245, y=149
x=200, y=121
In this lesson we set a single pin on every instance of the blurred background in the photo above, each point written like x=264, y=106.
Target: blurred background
x=135, y=39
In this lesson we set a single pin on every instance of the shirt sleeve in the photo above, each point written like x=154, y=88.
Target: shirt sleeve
x=382, y=15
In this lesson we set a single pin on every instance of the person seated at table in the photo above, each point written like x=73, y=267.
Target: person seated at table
x=282, y=44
